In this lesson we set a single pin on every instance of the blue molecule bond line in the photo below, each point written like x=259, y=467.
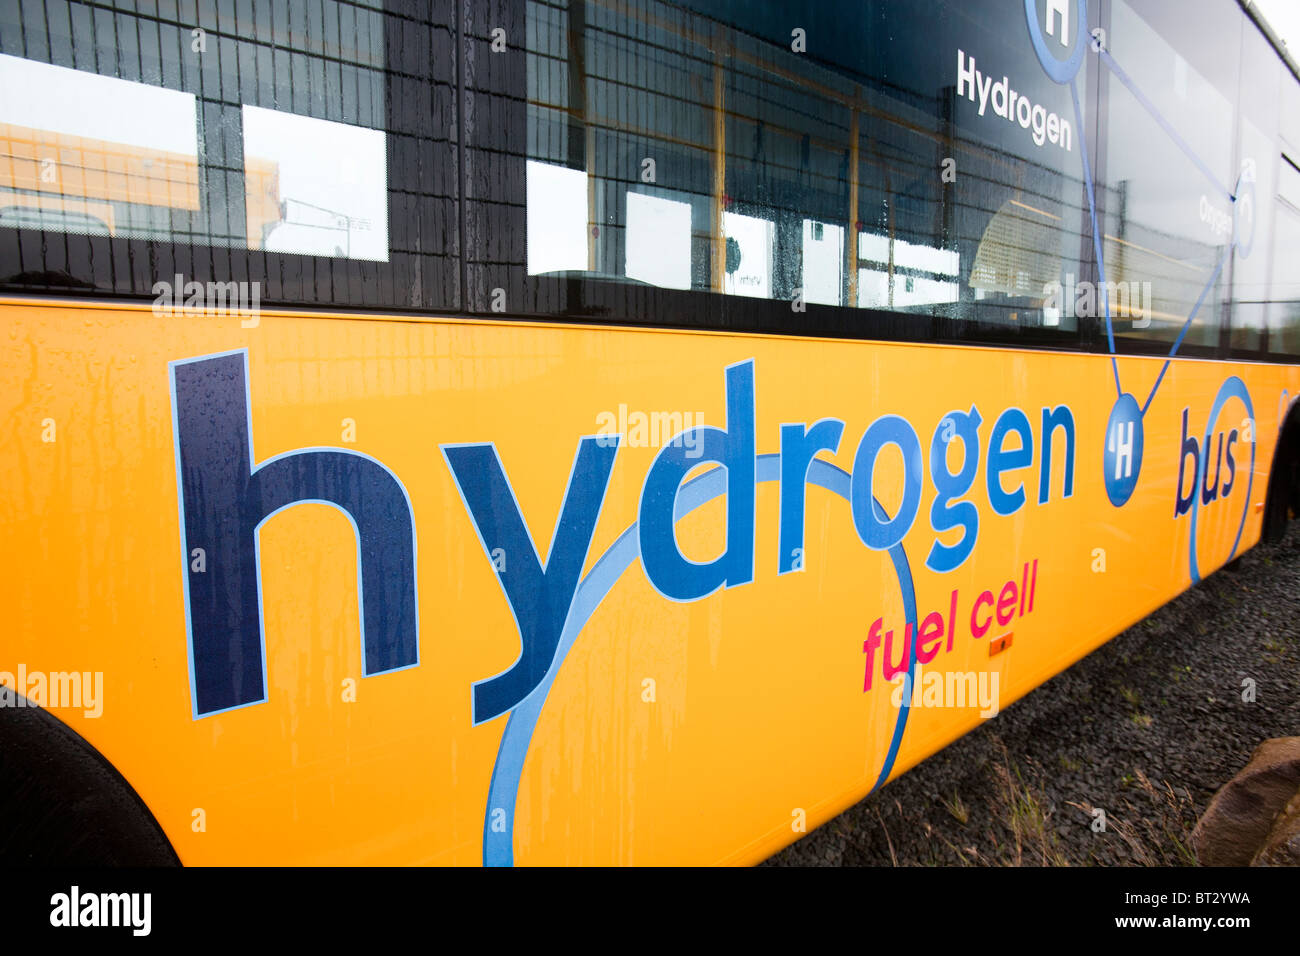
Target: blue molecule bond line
x=1214, y=277
x=503, y=791
x=1096, y=230
x=1122, y=451
x=1164, y=124
x=1123, y=77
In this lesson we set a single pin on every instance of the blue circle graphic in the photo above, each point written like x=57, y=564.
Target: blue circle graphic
x=1062, y=71
x=499, y=815
x=1122, y=450
x=1232, y=387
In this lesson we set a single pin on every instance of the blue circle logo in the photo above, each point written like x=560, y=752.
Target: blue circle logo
x=1122, y=460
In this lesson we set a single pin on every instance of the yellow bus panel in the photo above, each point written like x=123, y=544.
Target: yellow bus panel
x=541, y=594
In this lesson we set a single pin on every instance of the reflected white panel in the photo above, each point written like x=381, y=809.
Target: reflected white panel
x=557, y=218
x=658, y=241
x=76, y=103
x=754, y=240
x=823, y=262
x=873, y=290
x=909, y=255
x=325, y=184
x=89, y=154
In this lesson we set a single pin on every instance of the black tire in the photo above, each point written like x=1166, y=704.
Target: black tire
x=1283, y=481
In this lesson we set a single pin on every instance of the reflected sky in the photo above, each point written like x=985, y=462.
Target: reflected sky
x=62, y=100
x=332, y=185
x=85, y=153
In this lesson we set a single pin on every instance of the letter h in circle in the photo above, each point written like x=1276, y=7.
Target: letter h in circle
x=1059, y=9
x=1121, y=445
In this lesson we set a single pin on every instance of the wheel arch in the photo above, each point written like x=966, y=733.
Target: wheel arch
x=63, y=803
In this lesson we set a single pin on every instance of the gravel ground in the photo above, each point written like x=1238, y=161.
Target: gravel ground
x=1147, y=728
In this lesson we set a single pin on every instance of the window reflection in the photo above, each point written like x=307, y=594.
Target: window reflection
x=904, y=274
x=268, y=139
x=749, y=255
x=823, y=263
x=776, y=175
x=1168, y=211
x=1284, y=310
x=314, y=187
x=659, y=241
x=557, y=218
x=93, y=154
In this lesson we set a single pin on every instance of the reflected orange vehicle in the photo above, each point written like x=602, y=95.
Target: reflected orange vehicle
x=78, y=182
